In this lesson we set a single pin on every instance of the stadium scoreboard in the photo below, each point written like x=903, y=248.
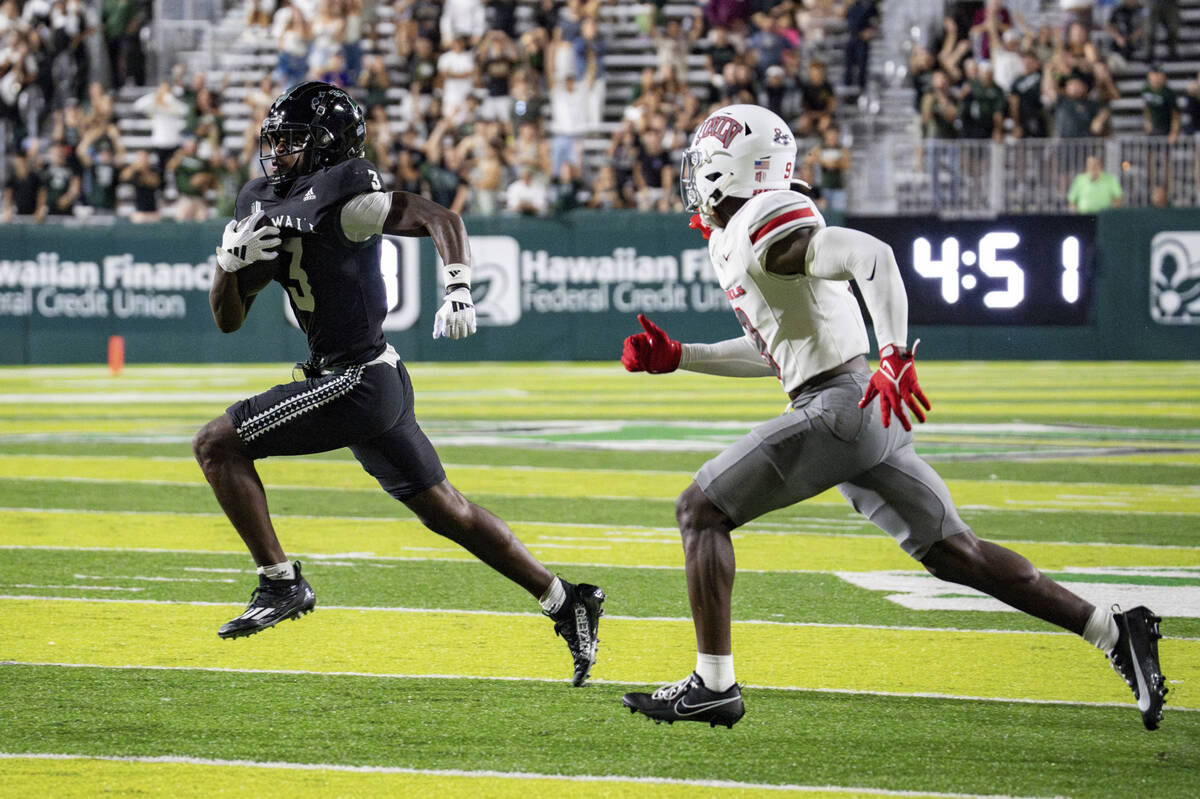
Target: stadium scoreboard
x=1016, y=270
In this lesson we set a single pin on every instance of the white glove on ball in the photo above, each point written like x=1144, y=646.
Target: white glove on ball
x=243, y=244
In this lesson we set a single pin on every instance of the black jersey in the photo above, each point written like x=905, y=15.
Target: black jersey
x=334, y=284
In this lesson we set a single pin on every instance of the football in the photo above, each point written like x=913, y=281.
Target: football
x=258, y=275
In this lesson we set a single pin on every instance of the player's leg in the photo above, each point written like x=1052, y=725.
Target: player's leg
x=779, y=463
x=906, y=497
x=296, y=418
x=239, y=490
x=709, y=565
x=404, y=462
x=710, y=693
x=1008, y=576
x=445, y=511
x=575, y=608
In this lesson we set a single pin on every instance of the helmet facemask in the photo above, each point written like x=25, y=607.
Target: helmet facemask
x=701, y=182
x=280, y=140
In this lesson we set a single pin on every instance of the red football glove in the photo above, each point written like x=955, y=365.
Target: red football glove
x=696, y=223
x=652, y=351
x=896, y=384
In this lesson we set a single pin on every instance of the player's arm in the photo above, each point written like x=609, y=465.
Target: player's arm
x=846, y=254
x=786, y=256
x=655, y=352
x=400, y=213
x=242, y=244
x=229, y=307
x=413, y=215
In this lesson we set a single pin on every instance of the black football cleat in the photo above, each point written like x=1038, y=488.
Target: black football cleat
x=270, y=603
x=689, y=700
x=577, y=621
x=1135, y=658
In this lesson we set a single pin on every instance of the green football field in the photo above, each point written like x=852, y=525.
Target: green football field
x=423, y=673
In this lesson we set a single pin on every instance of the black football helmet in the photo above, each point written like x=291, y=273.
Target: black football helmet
x=316, y=120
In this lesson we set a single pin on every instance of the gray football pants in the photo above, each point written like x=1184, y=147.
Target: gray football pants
x=825, y=441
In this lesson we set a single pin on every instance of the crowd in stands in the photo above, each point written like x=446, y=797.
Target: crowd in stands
x=490, y=113
x=487, y=111
x=993, y=75
x=990, y=75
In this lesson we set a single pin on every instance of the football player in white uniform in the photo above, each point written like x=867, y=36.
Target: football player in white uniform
x=786, y=275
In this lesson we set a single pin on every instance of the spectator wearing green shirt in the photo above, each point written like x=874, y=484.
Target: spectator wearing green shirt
x=62, y=181
x=101, y=154
x=833, y=159
x=1025, y=101
x=193, y=178
x=230, y=173
x=1160, y=117
x=982, y=110
x=1160, y=111
x=939, y=113
x=123, y=21
x=1076, y=116
x=1094, y=189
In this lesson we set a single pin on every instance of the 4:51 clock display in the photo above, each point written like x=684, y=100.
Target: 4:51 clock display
x=1017, y=270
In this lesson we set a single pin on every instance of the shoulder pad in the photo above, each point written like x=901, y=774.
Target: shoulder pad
x=772, y=214
x=345, y=180
x=769, y=203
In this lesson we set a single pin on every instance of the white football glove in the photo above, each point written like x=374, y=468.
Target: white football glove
x=242, y=244
x=456, y=317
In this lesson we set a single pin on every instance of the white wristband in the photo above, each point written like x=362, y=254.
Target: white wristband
x=228, y=262
x=453, y=274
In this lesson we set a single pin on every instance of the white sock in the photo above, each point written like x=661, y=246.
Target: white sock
x=554, y=597
x=1101, y=630
x=716, y=671
x=279, y=571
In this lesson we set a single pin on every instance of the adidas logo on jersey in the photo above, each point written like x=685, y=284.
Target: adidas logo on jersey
x=309, y=195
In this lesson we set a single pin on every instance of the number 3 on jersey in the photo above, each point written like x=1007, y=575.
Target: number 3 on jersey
x=297, y=281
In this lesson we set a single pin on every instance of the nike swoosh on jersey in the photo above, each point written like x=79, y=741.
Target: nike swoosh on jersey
x=684, y=709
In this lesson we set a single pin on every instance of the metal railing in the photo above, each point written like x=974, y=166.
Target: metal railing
x=960, y=177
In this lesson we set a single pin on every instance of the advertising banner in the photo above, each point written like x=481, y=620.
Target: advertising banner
x=1121, y=285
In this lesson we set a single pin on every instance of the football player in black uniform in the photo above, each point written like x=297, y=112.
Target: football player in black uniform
x=322, y=207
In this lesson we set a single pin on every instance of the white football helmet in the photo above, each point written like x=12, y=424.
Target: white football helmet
x=738, y=151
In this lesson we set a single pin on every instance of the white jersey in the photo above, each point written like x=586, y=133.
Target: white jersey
x=801, y=325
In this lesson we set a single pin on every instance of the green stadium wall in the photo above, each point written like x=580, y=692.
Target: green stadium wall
x=567, y=288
